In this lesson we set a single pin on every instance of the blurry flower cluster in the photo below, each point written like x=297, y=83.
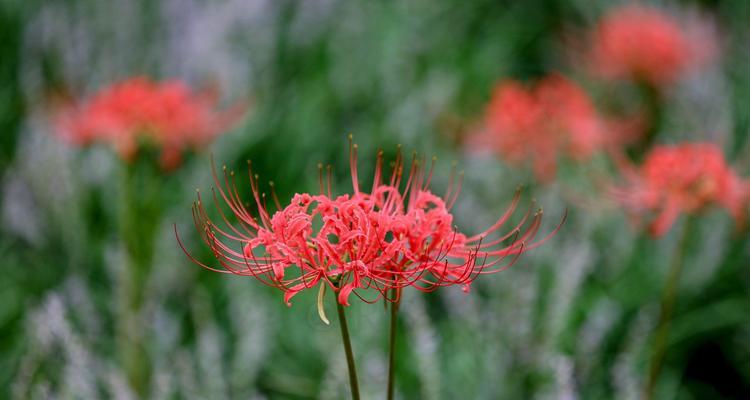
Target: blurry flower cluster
x=553, y=119
x=139, y=113
x=644, y=44
x=537, y=125
x=398, y=234
x=685, y=178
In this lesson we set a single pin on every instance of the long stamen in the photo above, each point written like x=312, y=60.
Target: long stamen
x=320, y=178
x=273, y=195
x=373, y=243
x=353, y=163
x=377, y=176
x=328, y=179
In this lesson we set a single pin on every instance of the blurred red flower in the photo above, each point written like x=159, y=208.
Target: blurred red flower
x=685, y=178
x=538, y=125
x=643, y=43
x=373, y=241
x=138, y=111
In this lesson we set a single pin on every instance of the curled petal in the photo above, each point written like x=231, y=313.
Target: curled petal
x=344, y=294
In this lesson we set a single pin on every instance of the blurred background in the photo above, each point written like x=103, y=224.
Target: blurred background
x=573, y=319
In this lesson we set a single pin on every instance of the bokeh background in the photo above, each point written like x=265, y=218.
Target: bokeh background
x=573, y=319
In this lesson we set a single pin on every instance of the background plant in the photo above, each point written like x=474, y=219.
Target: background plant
x=573, y=318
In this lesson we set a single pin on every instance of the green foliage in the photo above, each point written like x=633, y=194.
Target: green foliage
x=574, y=317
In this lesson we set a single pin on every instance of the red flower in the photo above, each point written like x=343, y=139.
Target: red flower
x=396, y=235
x=685, y=178
x=138, y=111
x=554, y=118
x=642, y=43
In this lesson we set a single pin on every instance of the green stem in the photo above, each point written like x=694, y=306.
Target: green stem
x=139, y=216
x=348, y=349
x=653, y=102
x=392, y=346
x=665, y=314
x=130, y=349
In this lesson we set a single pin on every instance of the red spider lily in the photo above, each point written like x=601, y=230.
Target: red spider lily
x=554, y=118
x=685, y=178
x=643, y=43
x=398, y=234
x=167, y=115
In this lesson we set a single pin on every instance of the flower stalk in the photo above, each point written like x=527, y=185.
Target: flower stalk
x=138, y=223
x=666, y=309
x=353, y=384
x=654, y=109
x=392, y=344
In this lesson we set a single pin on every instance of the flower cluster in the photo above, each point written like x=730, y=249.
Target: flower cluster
x=396, y=235
x=537, y=125
x=138, y=111
x=642, y=43
x=682, y=179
